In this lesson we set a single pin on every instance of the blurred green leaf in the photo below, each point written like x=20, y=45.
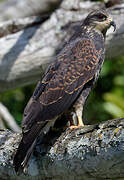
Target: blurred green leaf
x=113, y=98
x=16, y=100
x=119, y=80
x=113, y=109
x=106, y=68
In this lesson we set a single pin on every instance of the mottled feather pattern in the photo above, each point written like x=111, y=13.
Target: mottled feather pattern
x=61, y=85
x=64, y=79
x=66, y=83
x=81, y=59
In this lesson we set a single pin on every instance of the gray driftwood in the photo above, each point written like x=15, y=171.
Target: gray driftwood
x=15, y=9
x=24, y=55
x=94, y=152
x=7, y=119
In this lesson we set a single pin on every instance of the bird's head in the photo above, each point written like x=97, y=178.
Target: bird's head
x=99, y=20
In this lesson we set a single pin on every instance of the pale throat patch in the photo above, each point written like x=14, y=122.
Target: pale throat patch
x=102, y=26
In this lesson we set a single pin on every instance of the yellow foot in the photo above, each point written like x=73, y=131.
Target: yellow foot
x=75, y=127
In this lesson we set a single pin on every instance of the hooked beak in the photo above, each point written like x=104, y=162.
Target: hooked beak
x=112, y=23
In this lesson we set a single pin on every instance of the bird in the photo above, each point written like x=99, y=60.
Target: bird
x=66, y=83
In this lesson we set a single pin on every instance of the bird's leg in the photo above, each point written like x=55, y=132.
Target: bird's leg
x=79, y=111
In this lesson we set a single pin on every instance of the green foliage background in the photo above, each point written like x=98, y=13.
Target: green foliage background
x=106, y=100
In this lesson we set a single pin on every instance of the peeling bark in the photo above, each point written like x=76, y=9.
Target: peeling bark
x=91, y=152
x=25, y=54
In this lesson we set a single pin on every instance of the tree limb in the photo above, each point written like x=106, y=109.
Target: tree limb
x=92, y=152
x=25, y=55
x=12, y=9
x=16, y=25
x=8, y=119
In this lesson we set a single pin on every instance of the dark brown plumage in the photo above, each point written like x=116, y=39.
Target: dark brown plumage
x=66, y=83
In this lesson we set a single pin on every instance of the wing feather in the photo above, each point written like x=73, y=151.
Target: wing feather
x=62, y=83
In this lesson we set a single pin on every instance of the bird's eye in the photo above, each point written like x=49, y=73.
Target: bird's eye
x=101, y=17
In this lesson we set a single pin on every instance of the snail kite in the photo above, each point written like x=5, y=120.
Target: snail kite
x=66, y=83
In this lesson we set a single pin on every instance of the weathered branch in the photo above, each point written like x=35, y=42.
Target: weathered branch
x=92, y=152
x=15, y=9
x=13, y=26
x=25, y=55
x=2, y=126
x=8, y=119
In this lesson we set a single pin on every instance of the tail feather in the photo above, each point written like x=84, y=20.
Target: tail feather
x=20, y=155
x=27, y=157
x=26, y=147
